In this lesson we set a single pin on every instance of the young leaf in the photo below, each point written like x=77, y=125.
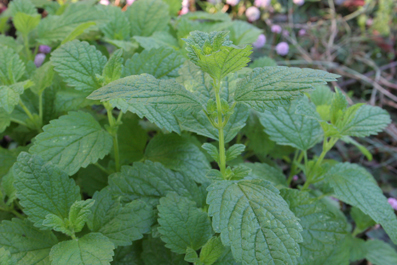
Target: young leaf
x=178, y=153
x=211, y=251
x=114, y=67
x=182, y=224
x=23, y=6
x=362, y=220
x=287, y=128
x=379, y=252
x=267, y=172
x=78, y=31
x=122, y=224
x=154, y=252
x=149, y=182
x=78, y=214
x=79, y=63
x=72, y=141
x=25, y=23
x=42, y=78
x=269, y=87
x=255, y=221
x=93, y=248
x=192, y=257
x=322, y=228
x=43, y=188
x=321, y=95
x=234, y=151
x=162, y=63
x=355, y=186
x=211, y=150
x=11, y=66
x=147, y=17
x=27, y=244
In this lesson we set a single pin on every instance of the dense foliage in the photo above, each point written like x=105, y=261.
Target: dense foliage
x=144, y=138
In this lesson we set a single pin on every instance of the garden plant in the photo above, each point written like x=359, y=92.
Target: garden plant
x=139, y=137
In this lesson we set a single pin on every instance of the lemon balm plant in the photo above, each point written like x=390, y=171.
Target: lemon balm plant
x=140, y=159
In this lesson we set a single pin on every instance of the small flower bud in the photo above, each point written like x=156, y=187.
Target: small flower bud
x=276, y=29
x=302, y=32
x=232, y=2
x=39, y=59
x=260, y=42
x=184, y=10
x=130, y=2
x=253, y=13
x=393, y=203
x=44, y=49
x=282, y=48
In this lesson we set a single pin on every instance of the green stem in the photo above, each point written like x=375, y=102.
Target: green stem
x=113, y=131
x=26, y=44
x=41, y=107
x=297, y=159
x=30, y=115
x=19, y=122
x=17, y=214
x=222, y=153
x=102, y=168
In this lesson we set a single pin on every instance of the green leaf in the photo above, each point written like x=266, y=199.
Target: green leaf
x=28, y=245
x=114, y=67
x=147, y=17
x=211, y=251
x=92, y=179
x=78, y=31
x=267, y=172
x=149, y=182
x=357, y=249
x=255, y=221
x=129, y=255
x=192, y=257
x=242, y=32
x=43, y=188
x=10, y=96
x=363, y=149
x=79, y=63
x=5, y=120
x=93, y=248
x=380, y=253
x=234, y=151
x=362, y=220
x=11, y=66
x=8, y=158
x=365, y=121
x=6, y=258
x=7, y=187
x=72, y=141
x=122, y=224
x=162, y=63
x=182, y=224
x=178, y=153
x=321, y=95
x=226, y=258
x=154, y=252
x=212, y=150
x=23, y=6
x=174, y=6
x=355, y=186
x=71, y=99
x=142, y=90
x=322, y=228
x=42, y=78
x=118, y=27
x=78, y=214
x=262, y=62
x=159, y=39
x=10, y=42
x=341, y=253
x=25, y=23
x=55, y=28
x=287, y=128
x=268, y=87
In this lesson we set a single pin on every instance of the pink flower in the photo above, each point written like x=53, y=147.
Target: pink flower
x=184, y=10
x=276, y=29
x=260, y=42
x=295, y=178
x=130, y=2
x=302, y=32
x=44, y=49
x=285, y=33
x=393, y=203
x=232, y=2
x=39, y=59
x=262, y=3
x=282, y=48
x=299, y=2
x=104, y=2
x=253, y=13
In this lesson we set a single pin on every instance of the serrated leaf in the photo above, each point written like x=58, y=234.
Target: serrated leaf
x=23, y=6
x=182, y=224
x=379, y=252
x=93, y=248
x=211, y=150
x=234, y=151
x=340, y=254
x=118, y=26
x=71, y=99
x=287, y=128
x=262, y=62
x=178, y=153
x=8, y=158
x=25, y=23
x=192, y=257
x=158, y=39
x=10, y=42
x=357, y=249
x=162, y=63
x=42, y=78
x=142, y=90
x=122, y=224
x=355, y=186
x=268, y=87
x=154, y=252
x=78, y=31
x=28, y=245
x=267, y=172
x=11, y=66
x=7, y=188
x=5, y=120
x=43, y=188
x=78, y=214
x=10, y=96
x=226, y=258
x=362, y=220
x=114, y=67
x=321, y=95
x=255, y=221
x=322, y=228
x=242, y=32
x=149, y=182
x=212, y=250
x=79, y=63
x=365, y=121
x=147, y=17
x=6, y=258
x=72, y=141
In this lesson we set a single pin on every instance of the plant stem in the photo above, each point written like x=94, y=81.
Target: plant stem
x=19, y=122
x=17, y=214
x=222, y=153
x=297, y=159
x=41, y=107
x=30, y=115
x=26, y=44
x=113, y=132
x=102, y=168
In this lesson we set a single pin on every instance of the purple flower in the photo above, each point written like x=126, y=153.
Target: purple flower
x=295, y=178
x=276, y=29
x=299, y=2
x=302, y=32
x=232, y=2
x=260, y=42
x=253, y=13
x=104, y=2
x=262, y=3
x=282, y=48
x=393, y=203
x=44, y=49
x=39, y=59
